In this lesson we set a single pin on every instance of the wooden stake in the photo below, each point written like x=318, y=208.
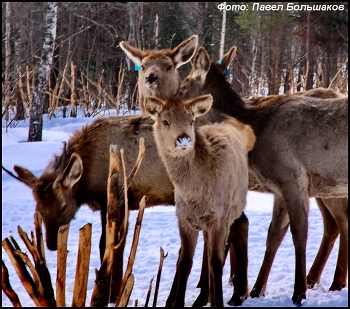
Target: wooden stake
x=7, y=288
x=126, y=292
x=23, y=273
x=131, y=260
x=149, y=292
x=162, y=258
x=83, y=261
x=101, y=293
x=38, y=220
x=40, y=272
x=61, y=265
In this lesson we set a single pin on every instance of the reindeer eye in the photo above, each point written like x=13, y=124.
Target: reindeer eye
x=170, y=67
x=64, y=209
x=165, y=122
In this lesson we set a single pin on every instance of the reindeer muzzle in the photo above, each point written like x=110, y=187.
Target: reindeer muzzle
x=183, y=141
x=151, y=78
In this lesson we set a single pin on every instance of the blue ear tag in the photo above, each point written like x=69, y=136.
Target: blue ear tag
x=227, y=72
x=137, y=68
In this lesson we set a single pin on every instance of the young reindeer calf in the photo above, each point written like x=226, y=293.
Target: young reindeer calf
x=209, y=170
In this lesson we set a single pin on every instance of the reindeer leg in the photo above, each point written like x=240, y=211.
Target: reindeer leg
x=330, y=235
x=203, y=284
x=203, y=297
x=239, y=265
x=339, y=210
x=217, y=239
x=297, y=201
x=277, y=230
x=184, y=263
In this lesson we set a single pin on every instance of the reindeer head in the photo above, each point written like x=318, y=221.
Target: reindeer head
x=158, y=75
x=174, y=130
x=192, y=86
x=54, y=196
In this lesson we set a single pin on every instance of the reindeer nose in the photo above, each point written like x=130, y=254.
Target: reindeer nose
x=151, y=78
x=184, y=141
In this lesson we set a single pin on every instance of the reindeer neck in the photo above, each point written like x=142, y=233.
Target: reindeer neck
x=226, y=99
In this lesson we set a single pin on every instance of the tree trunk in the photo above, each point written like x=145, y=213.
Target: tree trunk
x=7, y=61
x=36, y=111
x=223, y=31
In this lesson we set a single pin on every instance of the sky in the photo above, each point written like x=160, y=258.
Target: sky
x=158, y=230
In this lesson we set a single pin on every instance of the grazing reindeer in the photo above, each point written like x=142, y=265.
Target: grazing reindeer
x=79, y=175
x=297, y=135
x=158, y=75
x=208, y=167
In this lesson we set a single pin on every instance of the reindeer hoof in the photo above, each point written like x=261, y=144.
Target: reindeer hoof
x=298, y=298
x=231, y=280
x=256, y=293
x=311, y=283
x=337, y=287
x=236, y=300
x=200, y=301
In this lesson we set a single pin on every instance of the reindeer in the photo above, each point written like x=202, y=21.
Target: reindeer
x=296, y=135
x=158, y=75
x=209, y=170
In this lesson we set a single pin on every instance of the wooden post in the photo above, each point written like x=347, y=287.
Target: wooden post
x=104, y=284
x=162, y=258
x=83, y=261
x=101, y=292
x=61, y=265
x=149, y=292
x=122, y=301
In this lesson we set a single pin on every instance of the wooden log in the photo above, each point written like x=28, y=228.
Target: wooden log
x=162, y=258
x=7, y=288
x=61, y=265
x=82, y=271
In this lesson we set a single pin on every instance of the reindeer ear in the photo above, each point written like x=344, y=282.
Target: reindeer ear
x=135, y=54
x=200, y=66
x=200, y=105
x=24, y=176
x=153, y=105
x=184, y=52
x=71, y=173
x=227, y=59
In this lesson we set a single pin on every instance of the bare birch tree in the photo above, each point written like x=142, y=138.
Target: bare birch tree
x=36, y=110
x=223, y=31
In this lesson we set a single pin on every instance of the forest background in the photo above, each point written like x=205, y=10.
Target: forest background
x=66, y=54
